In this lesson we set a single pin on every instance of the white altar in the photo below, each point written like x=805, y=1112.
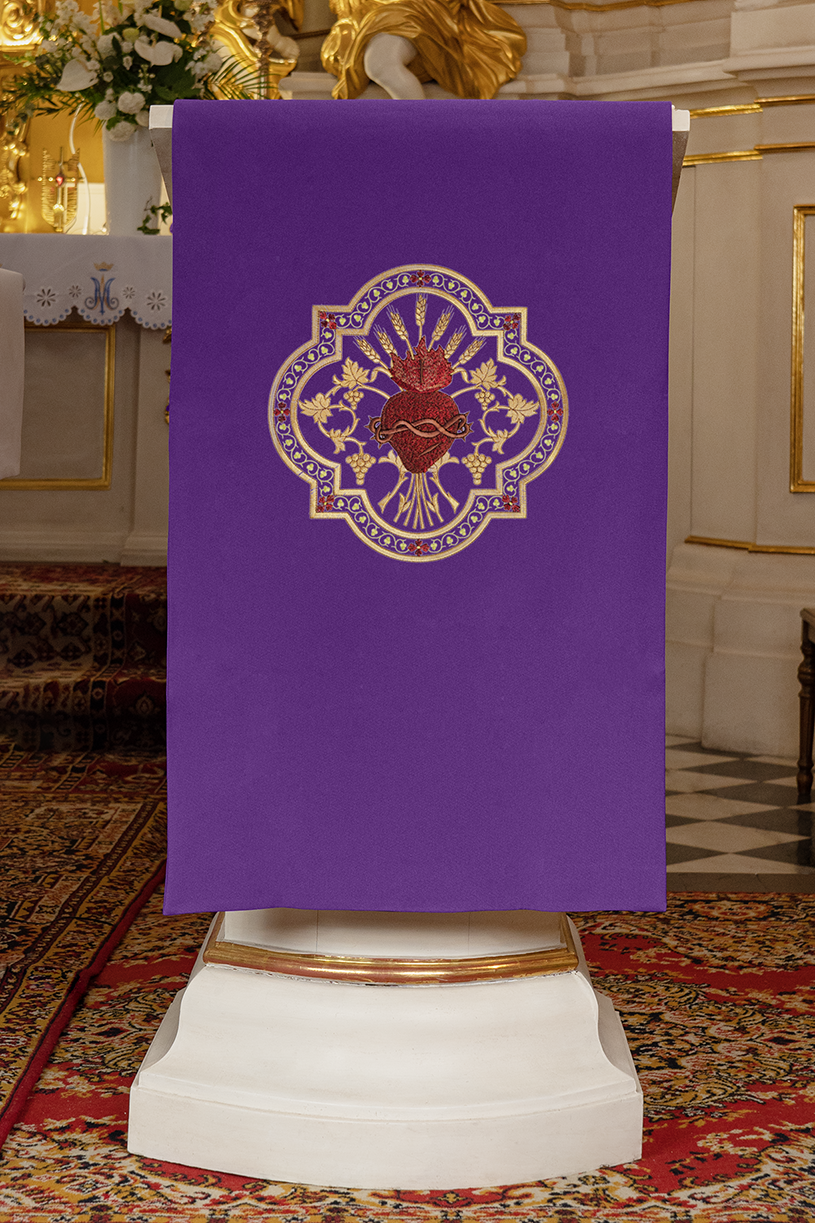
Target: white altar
x=93, y=477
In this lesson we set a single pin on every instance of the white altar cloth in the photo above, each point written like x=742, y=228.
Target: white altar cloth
x=97, y=275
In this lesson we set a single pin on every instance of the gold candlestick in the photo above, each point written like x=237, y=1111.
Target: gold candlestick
x=59, y=179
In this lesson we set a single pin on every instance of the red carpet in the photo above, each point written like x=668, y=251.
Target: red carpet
x=81, y=847
x=717, y=999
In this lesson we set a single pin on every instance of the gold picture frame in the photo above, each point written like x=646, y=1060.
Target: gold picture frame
x=797, y=482
x=78, y=482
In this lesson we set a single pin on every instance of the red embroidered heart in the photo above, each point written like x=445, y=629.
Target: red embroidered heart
x=421, y=426
x=420, y=422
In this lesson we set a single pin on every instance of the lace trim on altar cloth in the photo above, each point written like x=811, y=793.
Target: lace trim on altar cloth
x=98, y=276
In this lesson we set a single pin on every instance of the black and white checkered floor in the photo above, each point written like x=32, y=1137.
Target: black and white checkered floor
x=730, y=814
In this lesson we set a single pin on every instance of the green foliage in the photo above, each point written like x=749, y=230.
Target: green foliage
x=157, y=214
x=115, y=66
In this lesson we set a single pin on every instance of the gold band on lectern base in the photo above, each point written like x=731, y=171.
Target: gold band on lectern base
x=382, y=970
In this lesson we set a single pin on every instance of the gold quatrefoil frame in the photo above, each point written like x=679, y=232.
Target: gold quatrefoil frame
x=328, y=395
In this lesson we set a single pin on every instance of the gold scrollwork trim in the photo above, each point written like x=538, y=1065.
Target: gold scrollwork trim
x=796, y=146
x=752, y=108
x=97, y=482
x=788, y=99
x=705, y=159
x=710, y=112
x=754, y=154
x=381, y=970
x=797, y=482
x=745, y=544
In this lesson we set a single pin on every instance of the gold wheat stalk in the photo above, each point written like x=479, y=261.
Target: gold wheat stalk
x=421, y=312
x=441, y=327
x=470, y=352
x=386, y=342
x=453, y=344
x=367, y=350
x=400, y=328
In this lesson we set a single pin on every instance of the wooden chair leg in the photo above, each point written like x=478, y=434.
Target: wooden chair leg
x=806, y=676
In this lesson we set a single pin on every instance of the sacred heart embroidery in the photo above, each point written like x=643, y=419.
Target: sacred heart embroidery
x=472, y=413
x=420, y=422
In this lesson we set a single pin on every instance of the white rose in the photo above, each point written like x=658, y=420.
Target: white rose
x=157, y=53
x=66, y=10
x=210, y=62
x=120, y=131
x=130, y=103
x=161, y=25
x=143, y=118
x=105, y=45
x=77, y=74
x=104, y=110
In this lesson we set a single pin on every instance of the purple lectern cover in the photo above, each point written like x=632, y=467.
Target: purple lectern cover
x=418, y=451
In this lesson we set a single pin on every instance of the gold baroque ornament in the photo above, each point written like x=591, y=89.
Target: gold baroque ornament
x=470, y=47
x=18, y=26
x=418, y=413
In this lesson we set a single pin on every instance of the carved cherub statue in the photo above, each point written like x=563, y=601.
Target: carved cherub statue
x=470, y=47
x=247, y=29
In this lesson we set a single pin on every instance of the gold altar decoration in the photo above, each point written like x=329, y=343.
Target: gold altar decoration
x=13, y=187
x=59, y=179
x=18, y=30
x=18, y=24
x=250, y=34
x=470, y=47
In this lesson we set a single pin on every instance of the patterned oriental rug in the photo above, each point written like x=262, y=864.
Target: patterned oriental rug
x=717, y=1000
x=82, y=844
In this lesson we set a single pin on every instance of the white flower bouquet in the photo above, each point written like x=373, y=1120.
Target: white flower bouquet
x=114, y=66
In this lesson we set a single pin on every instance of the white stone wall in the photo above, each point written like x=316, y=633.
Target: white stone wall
x=733, y=614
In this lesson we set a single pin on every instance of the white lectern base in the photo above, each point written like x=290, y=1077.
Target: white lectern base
x=332, y=1082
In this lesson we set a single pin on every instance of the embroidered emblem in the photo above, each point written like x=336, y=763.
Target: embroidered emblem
x=422, y=374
